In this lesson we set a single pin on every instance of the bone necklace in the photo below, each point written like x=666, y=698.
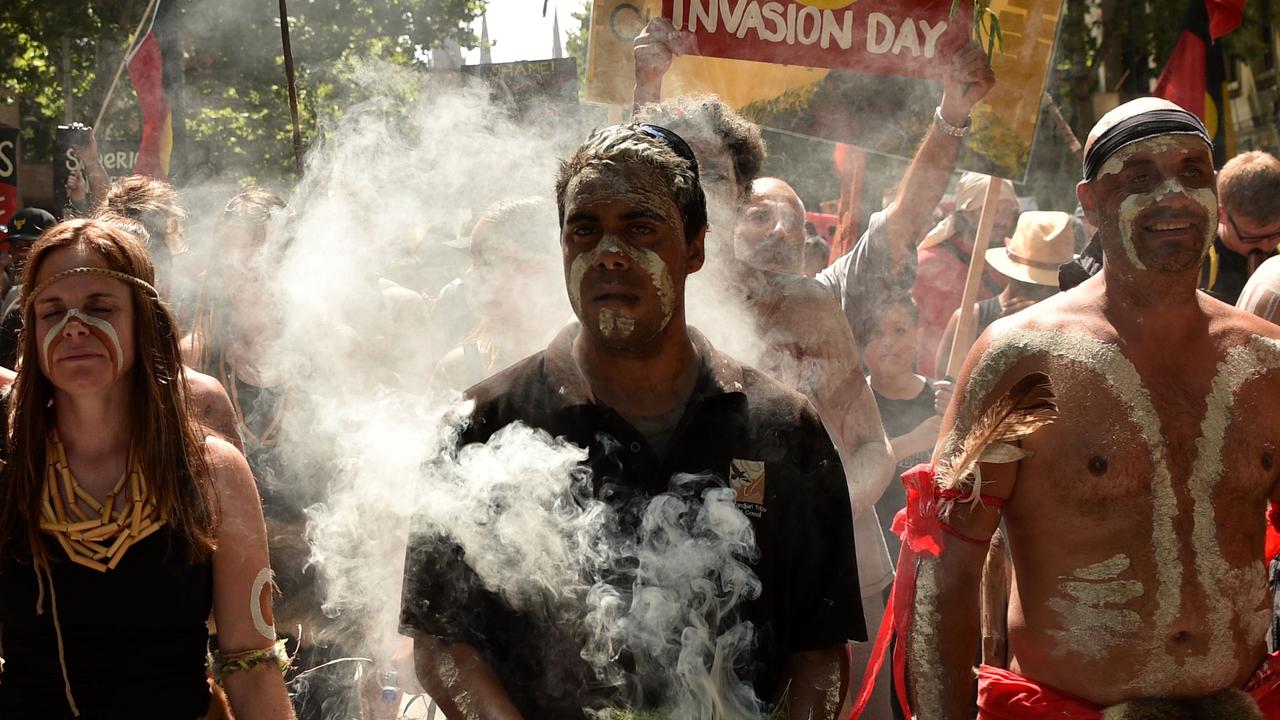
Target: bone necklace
x=97, y=539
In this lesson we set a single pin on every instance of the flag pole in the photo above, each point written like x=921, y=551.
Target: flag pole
x=966, y=327
x=106, y=100
x=293, y=86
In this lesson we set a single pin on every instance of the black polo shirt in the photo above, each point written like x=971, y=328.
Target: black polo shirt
x=740, y=429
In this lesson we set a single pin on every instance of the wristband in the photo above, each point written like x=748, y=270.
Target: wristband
x=949, y=129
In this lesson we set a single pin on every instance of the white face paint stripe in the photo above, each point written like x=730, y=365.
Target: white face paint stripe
x=260, y=623
x=648, y=260
x=1131, y=206
x=92, y=322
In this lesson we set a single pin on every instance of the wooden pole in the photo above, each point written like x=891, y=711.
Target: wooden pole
x=966, y=328
x=1064, y=128
x=133, y=39
x=293, y=87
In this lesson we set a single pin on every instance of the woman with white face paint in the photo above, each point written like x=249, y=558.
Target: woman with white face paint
x=122, y=525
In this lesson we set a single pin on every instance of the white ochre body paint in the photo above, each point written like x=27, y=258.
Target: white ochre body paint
x=615, y=323
x=1091, y=599
x=1134, y=205
x=1229, y=591
x=260, y=584
x=100, y=329
x=926, y=683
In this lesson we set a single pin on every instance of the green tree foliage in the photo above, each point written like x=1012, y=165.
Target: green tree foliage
x=234, y=106
x=576, y=45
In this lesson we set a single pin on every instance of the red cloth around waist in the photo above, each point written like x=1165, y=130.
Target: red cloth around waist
x=1004, y=695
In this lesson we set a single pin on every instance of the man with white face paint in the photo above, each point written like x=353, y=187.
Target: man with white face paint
x=1135, y=520
x=650, y=399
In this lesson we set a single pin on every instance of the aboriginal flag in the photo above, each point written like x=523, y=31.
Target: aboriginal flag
x=147, y=71
x=1194, y=75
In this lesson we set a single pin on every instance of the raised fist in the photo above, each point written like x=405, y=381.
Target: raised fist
x=968, y=80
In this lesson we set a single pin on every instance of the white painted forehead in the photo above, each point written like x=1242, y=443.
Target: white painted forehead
x=1157, y=144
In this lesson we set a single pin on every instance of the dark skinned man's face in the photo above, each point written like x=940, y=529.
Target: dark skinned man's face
x=625, y=255
x=1156, y=204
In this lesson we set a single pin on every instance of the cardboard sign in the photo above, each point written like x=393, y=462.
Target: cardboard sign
x=887, y=37
x=883, y=113
x=8, y=173
x=529, y=85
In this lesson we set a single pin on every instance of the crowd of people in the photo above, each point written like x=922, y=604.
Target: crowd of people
x=1083, y=504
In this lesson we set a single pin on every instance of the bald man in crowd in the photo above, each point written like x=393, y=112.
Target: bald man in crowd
x=1135, y=520
x=812, y=349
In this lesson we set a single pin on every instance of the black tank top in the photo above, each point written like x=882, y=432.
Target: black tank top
x=135, y=637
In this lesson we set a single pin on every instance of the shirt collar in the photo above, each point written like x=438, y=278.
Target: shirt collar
x=718, y=374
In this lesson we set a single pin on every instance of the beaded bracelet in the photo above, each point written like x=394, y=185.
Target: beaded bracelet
x=224, y=664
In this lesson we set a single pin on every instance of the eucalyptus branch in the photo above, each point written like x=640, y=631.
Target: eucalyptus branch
x=985, y=22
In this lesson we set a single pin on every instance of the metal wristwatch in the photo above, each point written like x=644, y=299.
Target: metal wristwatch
x=950, y=129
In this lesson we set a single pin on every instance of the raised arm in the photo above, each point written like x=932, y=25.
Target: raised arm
x=968, y=80
x=653, y=49
x=945, y=630
x=242, y=592
x=99, y=182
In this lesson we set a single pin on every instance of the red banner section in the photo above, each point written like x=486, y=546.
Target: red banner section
x=884, y=37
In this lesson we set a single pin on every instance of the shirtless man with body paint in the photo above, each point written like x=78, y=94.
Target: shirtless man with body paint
x=1136, y=531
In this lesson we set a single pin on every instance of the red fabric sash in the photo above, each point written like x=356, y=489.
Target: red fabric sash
x=1273, y=531
x=1003, y=695
x=921, y=530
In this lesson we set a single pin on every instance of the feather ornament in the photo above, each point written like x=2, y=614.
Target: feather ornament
x=1028, y=406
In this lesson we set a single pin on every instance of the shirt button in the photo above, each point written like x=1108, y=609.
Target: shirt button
x=635, y=447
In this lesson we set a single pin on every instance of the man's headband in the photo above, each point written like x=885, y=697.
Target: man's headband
x=143, y=284
x=1136, y=128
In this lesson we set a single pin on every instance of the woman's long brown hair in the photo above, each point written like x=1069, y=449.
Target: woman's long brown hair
x=166, y=436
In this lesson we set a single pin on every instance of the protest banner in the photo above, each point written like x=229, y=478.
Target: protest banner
x=532, y=86
x=884, y=106
x=886, y=37
x=8, y=173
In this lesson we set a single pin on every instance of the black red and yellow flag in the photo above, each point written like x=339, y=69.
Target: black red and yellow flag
x=147, y=71
x=1194, y=76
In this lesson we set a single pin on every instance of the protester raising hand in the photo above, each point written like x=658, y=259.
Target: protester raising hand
x=654, y=49
x=91, y=166
x=968, y=79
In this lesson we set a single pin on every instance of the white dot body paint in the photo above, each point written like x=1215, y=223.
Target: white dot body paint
x=93, y=323
x=613, y=323
x=1089, y=599
x=1135, y=204
x=260, y=623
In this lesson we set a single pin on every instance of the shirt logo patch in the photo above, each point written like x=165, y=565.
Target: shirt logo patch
x=747, y=478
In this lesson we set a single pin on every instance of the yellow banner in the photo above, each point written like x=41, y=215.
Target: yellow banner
x=884, y=114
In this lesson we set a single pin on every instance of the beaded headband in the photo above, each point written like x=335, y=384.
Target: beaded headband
x=143, y=284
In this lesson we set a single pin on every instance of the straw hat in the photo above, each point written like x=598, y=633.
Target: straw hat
x=971, y=188
x=1043, y=241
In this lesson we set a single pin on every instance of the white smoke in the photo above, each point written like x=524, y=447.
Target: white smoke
x=369, y=446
